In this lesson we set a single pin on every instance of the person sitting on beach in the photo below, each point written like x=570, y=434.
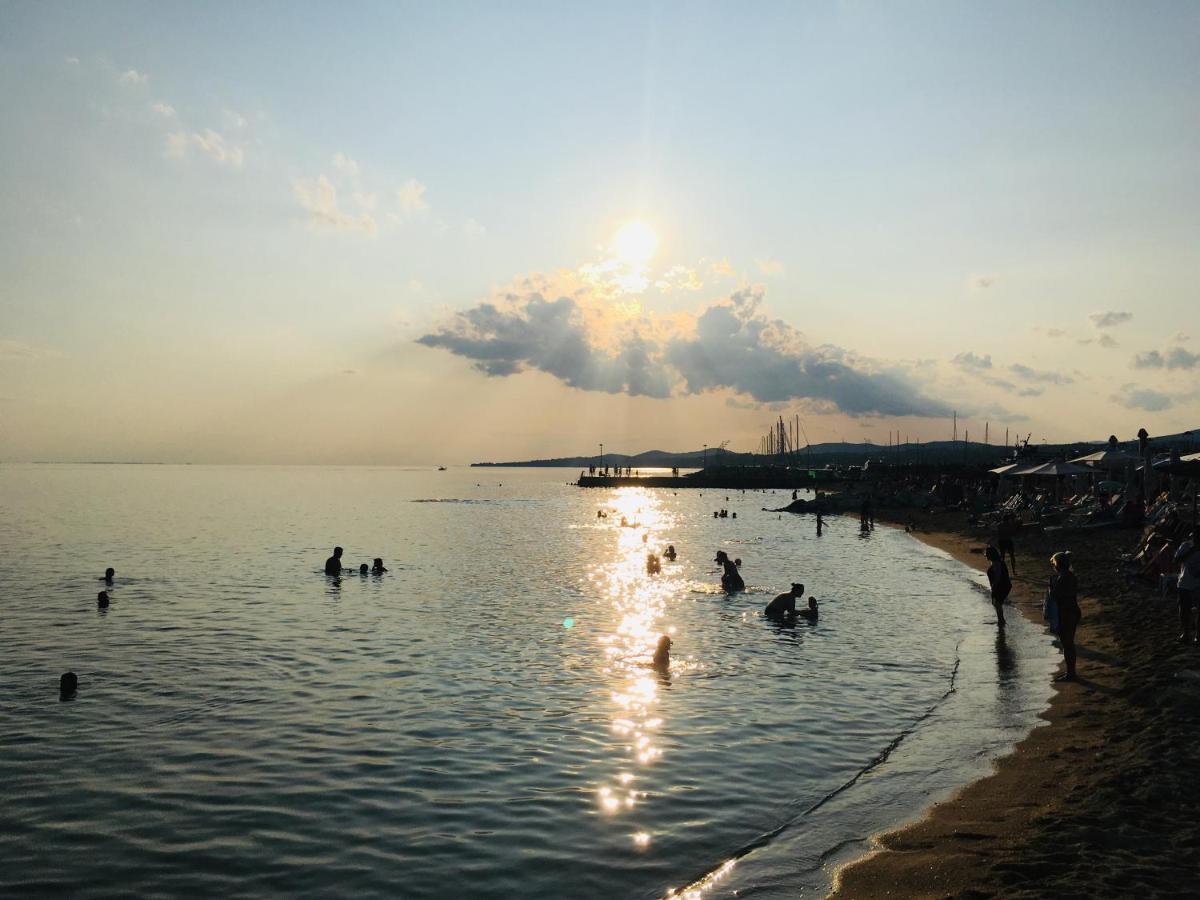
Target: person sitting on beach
x=333, y=565
x=731, y=579
x=1063, y=591
x=1000, y=581
x=785, y=604
x=653, y=566
x=670, y=553
x=662, y=654
x=109, y=574
x=377, y=568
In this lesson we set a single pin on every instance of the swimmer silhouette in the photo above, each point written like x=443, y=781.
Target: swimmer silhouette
x=67, y=686
x=731, y=579
x=811, y=612
x=785, y=604
x=333, y=565
x=363, y=569
x=102, y=599
x=109, y=573
x=662, y=654
x=653, y=566
x=670, y=553
x=378, y=568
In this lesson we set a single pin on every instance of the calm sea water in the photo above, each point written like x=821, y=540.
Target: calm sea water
x=479, y=721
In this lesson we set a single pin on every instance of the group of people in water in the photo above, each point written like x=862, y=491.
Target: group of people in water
x=333, y=565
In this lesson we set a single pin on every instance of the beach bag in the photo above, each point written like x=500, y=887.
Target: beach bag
x=1050, y=611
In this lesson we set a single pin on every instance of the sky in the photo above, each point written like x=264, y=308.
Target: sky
x=439, y=233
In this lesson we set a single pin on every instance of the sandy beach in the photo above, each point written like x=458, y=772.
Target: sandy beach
x=1102, y=800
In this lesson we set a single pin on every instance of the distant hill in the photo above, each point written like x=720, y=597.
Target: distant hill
x=845, y=453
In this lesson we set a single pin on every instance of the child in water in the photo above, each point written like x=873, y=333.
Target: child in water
x=662, y=654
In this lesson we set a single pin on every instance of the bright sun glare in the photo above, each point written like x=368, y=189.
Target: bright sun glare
x=634, y=243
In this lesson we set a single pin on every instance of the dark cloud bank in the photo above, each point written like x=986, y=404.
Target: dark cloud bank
x=730, y=345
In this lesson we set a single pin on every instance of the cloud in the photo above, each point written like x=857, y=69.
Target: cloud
x=345, y=165
x=132, y=77
x=411, y=197
x=591, y=343
x=1052, y=332
x=319, y=198
x=1133, y=397
x=678, y=278
x=166, y=110
x=1180, y=337
x=1110, y=319
x=472, y=229
x=365, y=199
x=1107, y=342
x=1175, y=358
x=209, y=142
x=72, y=60
x=720, y=268
x=969, y=360
x=1025, y=372
x=19, y=350
x=769, y=266
x=982, y=282
x=980, y=366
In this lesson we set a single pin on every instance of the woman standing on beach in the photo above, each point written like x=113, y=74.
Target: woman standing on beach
x=1000, y=581
x=1063, y=590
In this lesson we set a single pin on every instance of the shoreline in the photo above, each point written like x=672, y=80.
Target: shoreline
x=1058, y=814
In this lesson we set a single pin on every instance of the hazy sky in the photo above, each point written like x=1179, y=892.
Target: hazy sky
x=397, y=233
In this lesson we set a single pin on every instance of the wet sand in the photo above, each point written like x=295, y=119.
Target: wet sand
x=1104, y=800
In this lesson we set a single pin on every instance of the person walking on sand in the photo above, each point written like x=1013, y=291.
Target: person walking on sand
x=999, y=580
x=1063, y=591
x=1188, y=559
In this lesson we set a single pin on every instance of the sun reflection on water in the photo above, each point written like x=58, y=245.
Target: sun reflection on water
x=641, y=602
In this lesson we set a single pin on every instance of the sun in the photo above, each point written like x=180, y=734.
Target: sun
x=634, y=243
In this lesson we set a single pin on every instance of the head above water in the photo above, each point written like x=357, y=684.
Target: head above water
x=797, y=588
x=68, y=684
x=102, y=599
x=109, y=573
x=1061, y=560
x=364, y=568
x=337, y=552
x=722, y=556
x=378, y=562
x=812, y=603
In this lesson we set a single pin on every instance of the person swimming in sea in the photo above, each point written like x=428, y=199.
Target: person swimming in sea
x=653, y=566
x=662, y=654
x=333, y=565
x=102, y=600
x=363, y=569
x=785, y=604
x=68, y=685
x=109, y=574
x=731, y=579
x=670, y=553
x=378, y=568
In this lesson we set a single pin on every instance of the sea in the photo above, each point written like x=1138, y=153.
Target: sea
x=481, y=720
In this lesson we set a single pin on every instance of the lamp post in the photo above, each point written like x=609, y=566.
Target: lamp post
x=705, y=457
x=601, y=456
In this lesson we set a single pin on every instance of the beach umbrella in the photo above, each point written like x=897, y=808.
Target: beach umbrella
x=1056, y=469
x=1108, y=458
x=1185, y=465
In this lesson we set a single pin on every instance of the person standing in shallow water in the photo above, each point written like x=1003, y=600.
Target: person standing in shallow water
x=333, y=565
x=1063, y=590
x=731, y=578
x=1000, y=581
